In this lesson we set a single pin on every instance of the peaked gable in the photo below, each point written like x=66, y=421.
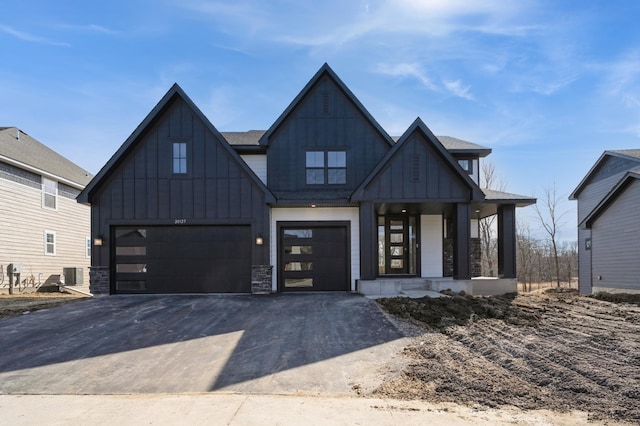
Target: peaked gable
x=609, y=199
x=418, y=168
x=324, y=118
x=609, y=164
x=325, y=70
x=183, y=120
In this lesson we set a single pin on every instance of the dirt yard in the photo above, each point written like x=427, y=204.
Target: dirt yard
x=554, y=350
x=21, y=304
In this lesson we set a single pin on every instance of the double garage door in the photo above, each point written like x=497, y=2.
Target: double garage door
x=182, y=259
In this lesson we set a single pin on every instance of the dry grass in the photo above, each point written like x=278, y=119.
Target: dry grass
x=20, y=304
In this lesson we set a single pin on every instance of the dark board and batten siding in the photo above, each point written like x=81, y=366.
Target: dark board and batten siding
x=325, y=119
x=417, y=172
x=142, y=189
x=615, y=237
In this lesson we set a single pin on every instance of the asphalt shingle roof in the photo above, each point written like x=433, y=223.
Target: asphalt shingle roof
x=252, y=137
x=29, y=151
x=628, y=152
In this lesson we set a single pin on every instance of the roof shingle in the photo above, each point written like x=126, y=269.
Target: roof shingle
x=22, y=148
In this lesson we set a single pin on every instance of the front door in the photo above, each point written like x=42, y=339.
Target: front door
x=397, y=245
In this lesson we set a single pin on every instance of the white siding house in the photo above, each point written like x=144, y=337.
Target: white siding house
x=42, y=227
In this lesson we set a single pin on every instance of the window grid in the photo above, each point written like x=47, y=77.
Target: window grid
x=49, y=243
x=326, y=167
x=179, y=157
x=49, y=194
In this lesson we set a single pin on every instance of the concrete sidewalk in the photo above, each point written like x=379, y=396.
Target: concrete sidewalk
x=235, y=409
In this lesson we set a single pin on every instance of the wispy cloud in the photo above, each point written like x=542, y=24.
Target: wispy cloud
x=31, y=38
x=90, y=28
x=415, y=71
x=405, y=70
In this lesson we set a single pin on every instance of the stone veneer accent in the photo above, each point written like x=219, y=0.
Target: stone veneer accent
x=99, y=280
x=261, y=278
x=476, y=257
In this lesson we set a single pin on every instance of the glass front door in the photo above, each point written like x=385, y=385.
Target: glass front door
x=397, y=245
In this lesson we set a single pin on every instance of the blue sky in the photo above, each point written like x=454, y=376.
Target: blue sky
x=548, y=85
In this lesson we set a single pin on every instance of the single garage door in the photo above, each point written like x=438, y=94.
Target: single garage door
x=182, y=259
x=314, y=257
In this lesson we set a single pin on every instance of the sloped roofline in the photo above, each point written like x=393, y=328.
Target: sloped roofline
x=583, y=182
x=419, y=125
x=325, y=69
x=175, y=90
x=622, y=184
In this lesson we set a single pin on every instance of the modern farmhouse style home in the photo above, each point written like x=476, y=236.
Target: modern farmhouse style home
x=324, y=200
x=609, y=224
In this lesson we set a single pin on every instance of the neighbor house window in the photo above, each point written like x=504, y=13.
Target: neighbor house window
x=49, y=243
x=326, y=167
x=179, y=157
x=87, y=246
x=49, y=194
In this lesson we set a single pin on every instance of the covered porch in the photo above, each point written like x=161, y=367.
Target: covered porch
x=408, y=248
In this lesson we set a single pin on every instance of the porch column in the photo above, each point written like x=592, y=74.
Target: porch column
x=507, y=241
x=368, y=242
x=462, y=242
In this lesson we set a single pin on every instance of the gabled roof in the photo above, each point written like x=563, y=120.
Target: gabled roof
x=21, y=150
x=251, y=137
x=632, y=154
x=174, y=91
x=419, y=125
x=622, y=184
x=324, y=70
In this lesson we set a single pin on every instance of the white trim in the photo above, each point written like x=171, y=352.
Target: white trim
x=46, y=244
x=431, y=246
x=318, y=214
x=41, y=172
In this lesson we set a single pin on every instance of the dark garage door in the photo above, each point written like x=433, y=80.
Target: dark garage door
x=313, y=257
x=183, y=259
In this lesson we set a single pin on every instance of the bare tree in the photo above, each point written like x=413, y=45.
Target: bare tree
x=489, y=180
x=550, y=219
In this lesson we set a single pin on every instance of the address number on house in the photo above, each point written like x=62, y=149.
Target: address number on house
x=179, y=221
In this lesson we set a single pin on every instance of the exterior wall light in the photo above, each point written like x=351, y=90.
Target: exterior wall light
x=259, y=240
x=97, y=241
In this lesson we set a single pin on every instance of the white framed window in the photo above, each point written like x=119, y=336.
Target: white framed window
x=49, y=243
x=179, y=158
x=87, y=246
x=49, y=194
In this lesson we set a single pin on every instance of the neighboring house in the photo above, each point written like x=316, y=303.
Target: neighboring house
x=42, y=227
x=324, y=200
x=609, y=224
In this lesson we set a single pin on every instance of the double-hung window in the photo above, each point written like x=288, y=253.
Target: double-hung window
x=326, y=167
x=49, y=243
x=49, y=193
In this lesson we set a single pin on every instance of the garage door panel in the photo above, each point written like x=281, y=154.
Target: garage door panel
x=201, y=259
x=314, y=258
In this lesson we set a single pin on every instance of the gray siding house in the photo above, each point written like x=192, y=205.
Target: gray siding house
x=609, y=224
x=42, y=227
x=323, y=200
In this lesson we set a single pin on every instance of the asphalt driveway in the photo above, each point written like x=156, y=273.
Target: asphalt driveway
x=313, y=343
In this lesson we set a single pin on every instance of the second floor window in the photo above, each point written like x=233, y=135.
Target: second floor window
x=326, y=167
x=49, y=194
x=179, y=158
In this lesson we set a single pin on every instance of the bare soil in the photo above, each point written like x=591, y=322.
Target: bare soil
x=22, y=304
x=552, y=350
